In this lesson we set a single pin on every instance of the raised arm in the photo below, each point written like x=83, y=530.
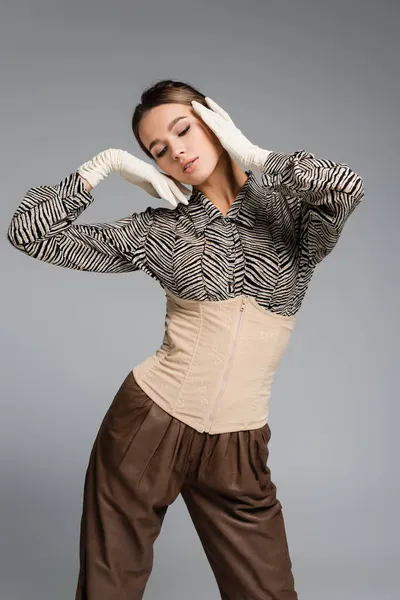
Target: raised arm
x=43, y=227
x=319, y=194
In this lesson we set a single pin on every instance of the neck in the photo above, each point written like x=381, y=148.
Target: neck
x=224, y=183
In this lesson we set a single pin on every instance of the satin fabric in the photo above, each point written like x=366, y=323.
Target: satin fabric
x=141, y=460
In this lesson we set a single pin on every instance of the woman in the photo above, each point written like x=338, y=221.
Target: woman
x=235, y=260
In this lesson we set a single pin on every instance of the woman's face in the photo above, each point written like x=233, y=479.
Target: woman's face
x=174, y=134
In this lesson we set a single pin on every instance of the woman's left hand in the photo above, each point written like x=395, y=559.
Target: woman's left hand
x=244, y=152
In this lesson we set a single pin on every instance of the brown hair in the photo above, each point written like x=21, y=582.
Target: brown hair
x=165, y=91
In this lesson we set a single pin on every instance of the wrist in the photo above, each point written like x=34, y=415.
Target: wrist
x=257, y=158
x=100, y=166
x=86, y=184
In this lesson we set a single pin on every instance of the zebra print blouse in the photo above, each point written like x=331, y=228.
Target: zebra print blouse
x=266, y=246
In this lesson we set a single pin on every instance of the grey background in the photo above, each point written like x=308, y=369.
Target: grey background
x=322, y=76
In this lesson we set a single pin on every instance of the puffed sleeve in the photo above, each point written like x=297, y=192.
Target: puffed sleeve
x=43, y=227
x=318, y=195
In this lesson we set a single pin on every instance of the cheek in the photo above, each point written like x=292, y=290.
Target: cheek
x=206, y=137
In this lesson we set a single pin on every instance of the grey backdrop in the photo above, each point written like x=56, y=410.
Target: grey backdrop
x=322, y=76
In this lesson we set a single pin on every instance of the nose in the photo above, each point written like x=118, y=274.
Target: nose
x=178, y=151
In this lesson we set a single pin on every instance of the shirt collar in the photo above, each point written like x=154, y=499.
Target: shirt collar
x=243, y=210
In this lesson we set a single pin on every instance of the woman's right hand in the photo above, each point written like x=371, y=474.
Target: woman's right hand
x=135, y=171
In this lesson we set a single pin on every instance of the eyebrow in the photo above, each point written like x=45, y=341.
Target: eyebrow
x=170, y=126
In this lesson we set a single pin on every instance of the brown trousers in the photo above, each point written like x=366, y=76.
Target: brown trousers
x=142, y=458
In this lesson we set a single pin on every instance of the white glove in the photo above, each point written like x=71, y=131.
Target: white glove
x=246, y=154
x=135, y=171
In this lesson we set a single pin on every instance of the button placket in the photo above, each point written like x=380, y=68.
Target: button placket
x=230, y=258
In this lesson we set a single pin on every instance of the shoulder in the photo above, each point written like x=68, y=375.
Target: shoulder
x=153, y=214
x=172, y=215
x=160, y=221
x=165, y=216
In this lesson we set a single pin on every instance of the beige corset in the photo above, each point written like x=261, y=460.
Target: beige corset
x=215, y=367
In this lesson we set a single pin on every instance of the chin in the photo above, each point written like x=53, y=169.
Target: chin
x=202, y=173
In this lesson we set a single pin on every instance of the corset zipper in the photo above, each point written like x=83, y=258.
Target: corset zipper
x=239, y=325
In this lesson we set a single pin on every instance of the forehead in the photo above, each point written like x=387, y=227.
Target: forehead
x=155, y=122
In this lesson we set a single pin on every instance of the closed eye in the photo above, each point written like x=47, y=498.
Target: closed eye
x=184, y=132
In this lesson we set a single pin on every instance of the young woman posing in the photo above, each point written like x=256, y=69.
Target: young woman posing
x=234, y=258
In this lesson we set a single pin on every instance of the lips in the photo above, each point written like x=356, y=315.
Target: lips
x=188, y=161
